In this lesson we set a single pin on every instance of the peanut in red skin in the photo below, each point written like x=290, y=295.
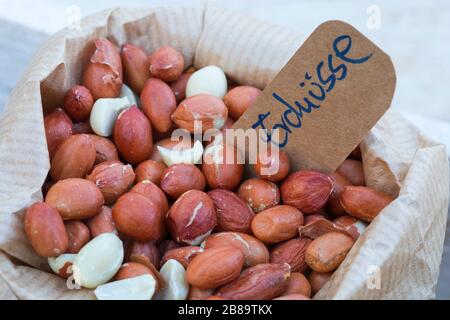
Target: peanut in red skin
x=207, y=109
x=353, y=171
x=147, y=222
x=183, y=255
x=222, y=174
x=298, y=284
x=233, y=214
x=180, y=178
x=113, y=178
x=261, y=282
x=259, y=194
x=104, y=74
x=142, y=252
x=158, y=104
x=135, y=66
x=133, y=136
x=308, y=191
x=255, y=251
x=150, y=170
x=364, y=203
x=166, y=64
x=326, y=252
x=191, y=218
x=105, y=149
x=79, y=236
x=277, y=224
x=75, y=158
x=45, y=229
x=215, y=267
x=269, y=163
x=291, y=252
x=239, y=99
x=153, y=193
x=58, y=128
x=78, y=103
x=318, y=280
x=75, y=199
x=101, y=223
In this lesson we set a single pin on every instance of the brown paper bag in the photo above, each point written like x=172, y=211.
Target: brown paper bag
x=397, y=258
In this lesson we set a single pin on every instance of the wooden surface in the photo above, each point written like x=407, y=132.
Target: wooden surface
x=17, y=48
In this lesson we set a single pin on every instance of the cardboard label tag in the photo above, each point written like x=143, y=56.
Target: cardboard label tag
x=326, y=99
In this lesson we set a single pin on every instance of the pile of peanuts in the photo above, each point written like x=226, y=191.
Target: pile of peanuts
x=132, y=214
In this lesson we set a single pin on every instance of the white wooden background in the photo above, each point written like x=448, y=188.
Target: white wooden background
x=415, y=33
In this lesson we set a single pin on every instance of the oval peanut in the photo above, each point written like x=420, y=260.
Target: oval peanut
x=75, y=199
x=166, y=64
x=298, y=284
x=180, y=178
x=158, y=104
x=291, y=252
x=113, y=178
x=103, y=75
x=239, y=99
x=135, y=66
x=326, y=253
x=233, y=214
x=150, y=170
x=58, y=128
x=133, y=136
x=153, y=193
x=364, y=203
x=277, y=224
x=138, y=217
x=78, y=234
x=261, y=282
x=203, y=110
x=308, y=191
x=45, y=229
x=192, y=218
x=104, y=148
x=74, y=158
x=259, y=194
x=215, y=267
x=102, y=223
x=255, y=252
